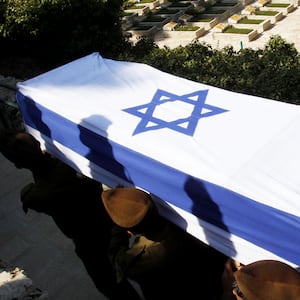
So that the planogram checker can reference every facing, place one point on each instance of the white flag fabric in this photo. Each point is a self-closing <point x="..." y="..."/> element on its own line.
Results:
<point x="225" y="166"/>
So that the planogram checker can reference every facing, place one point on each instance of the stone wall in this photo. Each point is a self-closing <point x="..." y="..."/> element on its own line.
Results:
<point x="10" y="116"/>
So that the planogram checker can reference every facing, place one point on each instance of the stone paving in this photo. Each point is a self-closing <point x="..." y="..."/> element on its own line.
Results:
<point x="32" y="243"/>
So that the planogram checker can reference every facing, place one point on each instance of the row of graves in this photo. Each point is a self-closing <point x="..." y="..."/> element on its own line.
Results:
<point x="245" y="18"/>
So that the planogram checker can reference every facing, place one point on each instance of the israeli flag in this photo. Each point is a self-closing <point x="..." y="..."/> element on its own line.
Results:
<point x="224" y="166"/>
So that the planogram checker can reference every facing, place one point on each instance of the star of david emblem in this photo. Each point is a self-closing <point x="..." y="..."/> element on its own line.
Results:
<point x="167" y="110"/>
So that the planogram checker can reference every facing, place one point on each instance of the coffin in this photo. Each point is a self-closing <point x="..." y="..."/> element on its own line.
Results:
<point x="224" y="166"/>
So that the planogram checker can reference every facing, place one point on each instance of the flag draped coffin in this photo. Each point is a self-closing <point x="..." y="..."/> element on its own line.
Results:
<point x="225" y="166"/>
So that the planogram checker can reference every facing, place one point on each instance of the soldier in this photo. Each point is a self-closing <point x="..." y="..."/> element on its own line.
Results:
<point x="267" y="279"/>
<point x="166" y="261"/>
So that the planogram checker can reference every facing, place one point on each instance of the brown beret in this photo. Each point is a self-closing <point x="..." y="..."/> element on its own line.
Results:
<point x="268" y="280"/>
<point x="126" y="206"/>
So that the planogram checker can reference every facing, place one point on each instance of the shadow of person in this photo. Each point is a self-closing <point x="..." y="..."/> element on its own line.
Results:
<point x="101" y="160"/>
<point x="33" y="117"/>
<point x="207" y="210"/>
<point x="36" y="123"/>
<point x="209" y="214"/>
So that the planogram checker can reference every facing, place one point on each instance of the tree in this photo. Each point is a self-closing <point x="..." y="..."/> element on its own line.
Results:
<point x="61" y="29"/>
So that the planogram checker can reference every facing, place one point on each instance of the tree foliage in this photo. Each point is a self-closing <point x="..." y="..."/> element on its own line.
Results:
<point x="61" y="28"/>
